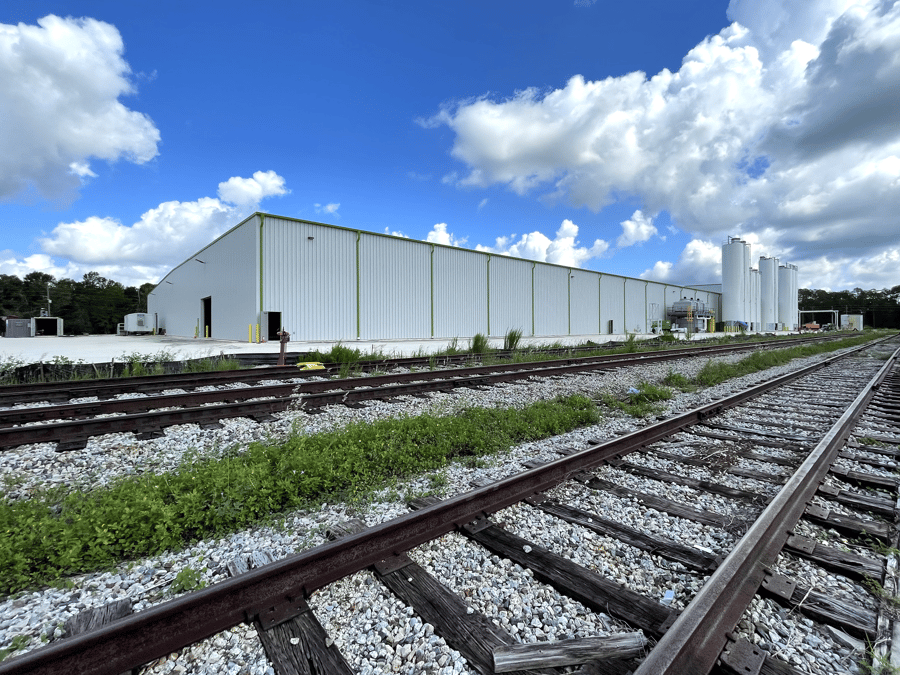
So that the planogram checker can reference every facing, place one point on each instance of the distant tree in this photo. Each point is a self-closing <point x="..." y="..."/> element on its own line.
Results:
<point x="12" y="295"/>
<point x="35" y="288"/>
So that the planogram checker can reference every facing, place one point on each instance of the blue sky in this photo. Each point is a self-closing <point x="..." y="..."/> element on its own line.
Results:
<point x="624" y="137"/>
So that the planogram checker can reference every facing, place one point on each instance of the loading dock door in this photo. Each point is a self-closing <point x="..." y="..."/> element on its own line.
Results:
<point x="206" y="317"/>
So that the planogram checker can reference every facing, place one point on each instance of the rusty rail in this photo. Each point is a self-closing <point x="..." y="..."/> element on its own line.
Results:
<point x="277" y="591"/>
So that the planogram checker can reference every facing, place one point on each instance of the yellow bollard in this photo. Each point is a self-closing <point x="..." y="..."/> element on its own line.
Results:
<point x="250" y="332"/>
<point x="257" y="333"/>
<point x="206" y="330"/>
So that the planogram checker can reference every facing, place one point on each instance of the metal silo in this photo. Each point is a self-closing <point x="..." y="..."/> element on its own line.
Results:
<point x="768" y="292"/>
<point x="733" y="280"/>
<point x="754" y="316"/>
<point x="787" y="296"/>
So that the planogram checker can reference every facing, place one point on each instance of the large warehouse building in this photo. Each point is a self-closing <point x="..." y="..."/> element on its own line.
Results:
<point x="328" y="283"/>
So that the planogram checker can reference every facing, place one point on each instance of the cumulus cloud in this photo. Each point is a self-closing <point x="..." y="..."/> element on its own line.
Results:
<point x="637" y="229"/>
<point x="328" y="209"/>
<point x="787" y="120"/>
<point x="439" y="235"/>
<point x="165" y="235"/>
<point x="562" y="250"/>
<point x="699" y="263"/>
<point x="60" y="84"/>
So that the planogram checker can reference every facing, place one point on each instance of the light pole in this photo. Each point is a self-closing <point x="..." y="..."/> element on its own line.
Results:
<point x="49" y="284"/>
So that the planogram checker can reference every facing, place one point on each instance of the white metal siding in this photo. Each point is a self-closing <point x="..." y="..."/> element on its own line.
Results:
<point x="395" y="288"/>
<point x="510" y="295"/>
<point x="460" y="293"/>
<point x="331" y="283"/>
<point x="636" y="306"/>
<point x="551" y="300"/>
<point x="612" y="304"/>
<point x="312" y="282"/>
<point x="228" y="275"/>
<point x="585" y="303"/>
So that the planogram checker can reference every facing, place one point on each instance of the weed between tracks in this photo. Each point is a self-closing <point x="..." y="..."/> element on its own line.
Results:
<point x="60" y="533"/>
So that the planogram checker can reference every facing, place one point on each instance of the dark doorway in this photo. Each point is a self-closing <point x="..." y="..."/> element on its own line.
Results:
<point x="46" y="326"/>
<point x="274" y="325"/>
<point x="206" y="318"/>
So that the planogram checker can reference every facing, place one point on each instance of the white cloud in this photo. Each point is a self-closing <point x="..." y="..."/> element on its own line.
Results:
<point x="164" y="236"/>
<point x="482" y="203"/>
<point x="699" y="263"/>
<point x="637" y="229"/>
<point x="439" y="235"/>
<point x="769" y="125"/>
<point x="60" y="84"/>
<point x="562" y="250"/>
<point x="329" y="209"/>
<point x="247" y="192"/>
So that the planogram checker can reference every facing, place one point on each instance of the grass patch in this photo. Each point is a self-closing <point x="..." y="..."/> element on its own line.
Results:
<point x="479" y="344"/>
<point x="640" y="401"/>
<point x="57" y="533"/>
<point x="338" y="354"/>
<point x="512" y="339"/>
<point x="716" y="372"/>
<point x="679" y="381"/>
<point x="211" y="364"/>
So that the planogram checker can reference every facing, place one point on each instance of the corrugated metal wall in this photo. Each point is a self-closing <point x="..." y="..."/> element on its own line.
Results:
<point x="331" y="283"/>
<point x="309" y="275"/>
<point x="585" y="302"/>
<point x="460" y="292"/>
<point x="551" y="300"/>
<point x="511" y="306"/>
<point x="228" y="275"/>
<point x="636" y="306"/>
<point x="394" y="288"/>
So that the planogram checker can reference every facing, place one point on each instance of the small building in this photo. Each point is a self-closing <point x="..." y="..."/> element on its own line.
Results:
<point x="322" y="282"/>
<point x="36" y="326"/>
<point x="851" y="321"/>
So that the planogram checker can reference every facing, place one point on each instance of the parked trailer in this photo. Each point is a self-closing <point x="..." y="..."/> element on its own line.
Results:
<point x="139" y="323"/>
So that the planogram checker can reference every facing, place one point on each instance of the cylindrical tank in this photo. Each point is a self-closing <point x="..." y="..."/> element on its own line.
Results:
<point x="753" y="317"/>
<point x="795" y="296"/>
<point x="733" y="287"/>
<point x="787" y="296"/>
<point x="768" y="282"/>
<point x="748" y="291"/>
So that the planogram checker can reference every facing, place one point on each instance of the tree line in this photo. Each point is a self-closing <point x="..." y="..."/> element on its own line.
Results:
<point x="880" y="309"/>
<point x="94" y="305"/>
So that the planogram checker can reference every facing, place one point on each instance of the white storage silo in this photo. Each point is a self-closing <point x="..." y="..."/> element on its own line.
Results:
<point x="795" y="299"/>
<point x="768" y="292"/>
<point x="734" y="259"/>
<point x="754" y="316"/>
<point x="748" y="291"/>
<point x="787" y="296"/>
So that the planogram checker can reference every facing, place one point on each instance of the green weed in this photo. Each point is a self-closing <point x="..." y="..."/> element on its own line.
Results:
<point x="479" y="344"/>
<point x="641" y="402"/>
<point x="17" y="643"/>
<point x="679" y="381"/>
<point x="188" y="579"/>
<point x="60" y="533"/>
<point x="512" y="339"/>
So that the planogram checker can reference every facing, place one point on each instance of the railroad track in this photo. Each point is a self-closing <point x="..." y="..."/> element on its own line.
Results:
<point x="738" y="511"/>
<point x="71" y="425"/>
<point x="103" y="388"/>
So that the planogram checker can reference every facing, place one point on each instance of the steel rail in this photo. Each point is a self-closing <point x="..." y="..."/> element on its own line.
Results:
<point x="140" y="416"/>
<point x="696" y="639"/>
<point x="107" y="387"/>
<point x="277" y="591"/>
